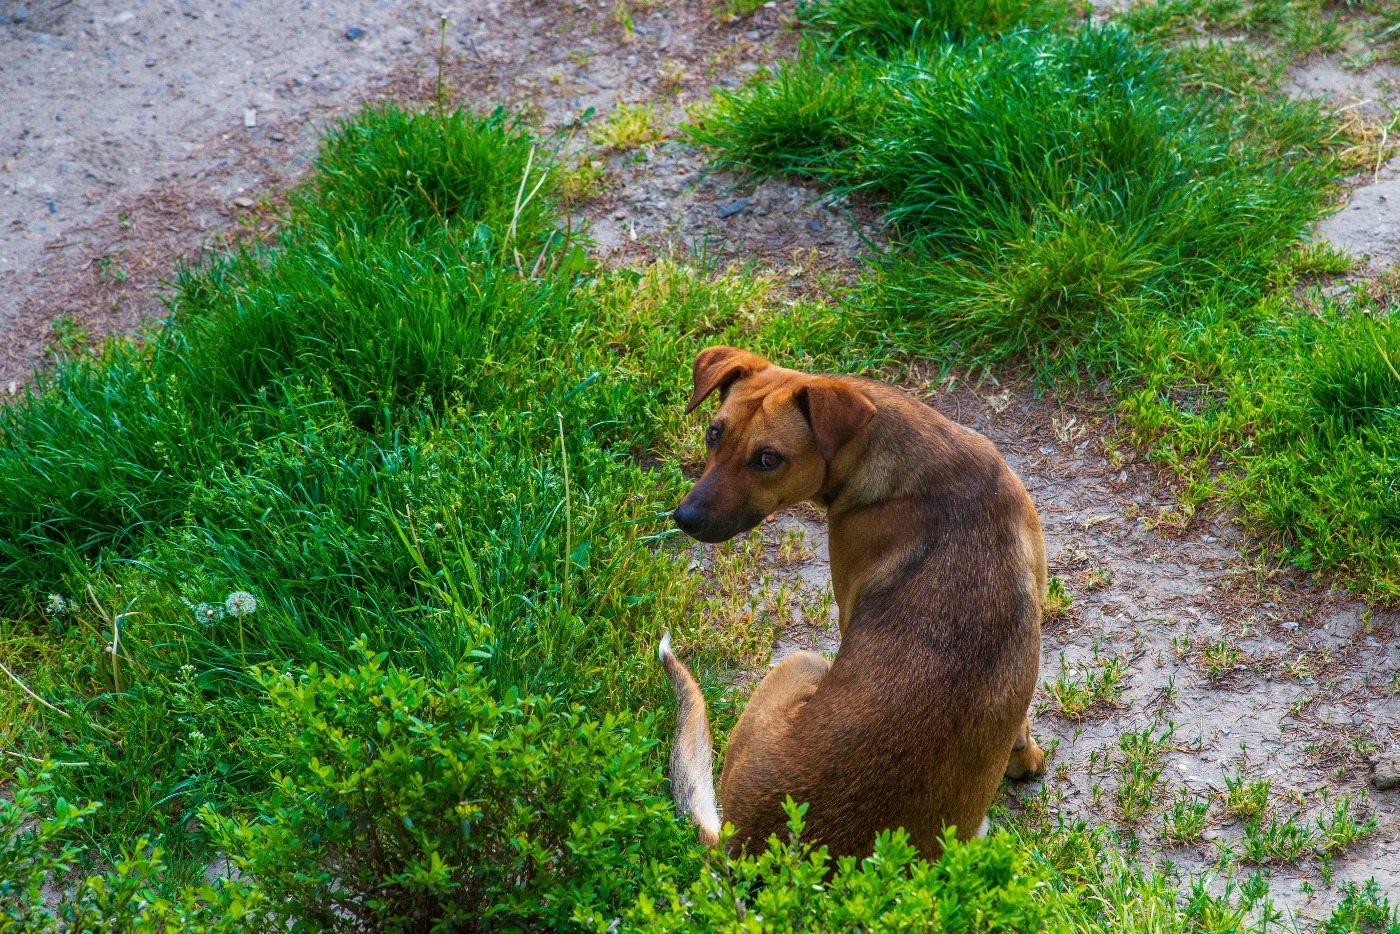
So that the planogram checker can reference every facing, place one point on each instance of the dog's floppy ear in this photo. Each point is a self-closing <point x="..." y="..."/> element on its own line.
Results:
<point x="836" y="413"/>
<point x="717" y="367"/>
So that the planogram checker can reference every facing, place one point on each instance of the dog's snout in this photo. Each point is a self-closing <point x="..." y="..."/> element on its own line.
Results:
<point x="688" y="518"/>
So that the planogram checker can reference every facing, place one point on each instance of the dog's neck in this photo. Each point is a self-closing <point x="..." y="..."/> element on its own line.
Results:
<point x="909" y="454"/>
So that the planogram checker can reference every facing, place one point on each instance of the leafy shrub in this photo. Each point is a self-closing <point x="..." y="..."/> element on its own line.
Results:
<point x="982" y="885"/>
<point x="403" y="803"/>
<point x="38" y="893"/>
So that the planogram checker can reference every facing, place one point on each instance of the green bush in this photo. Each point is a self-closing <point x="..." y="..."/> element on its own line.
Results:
<point x="982" y="885"/>
<point x="39" y="893"/>
<point x="402" y="803"/>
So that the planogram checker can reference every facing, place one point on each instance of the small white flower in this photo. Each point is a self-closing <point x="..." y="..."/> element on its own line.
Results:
<point x="209" y="613"/>
<point x="57" y="605"/>
<point x="241" y="603"/>
<point x="196" y="735"/>
<point x="111" y="649"/>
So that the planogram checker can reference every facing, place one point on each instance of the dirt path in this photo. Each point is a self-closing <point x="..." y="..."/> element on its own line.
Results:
<point x="135" y="132"/>
<point x="1256" y="674"/>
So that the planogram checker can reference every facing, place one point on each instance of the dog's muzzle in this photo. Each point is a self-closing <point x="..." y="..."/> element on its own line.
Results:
<point x="700" y="525"/>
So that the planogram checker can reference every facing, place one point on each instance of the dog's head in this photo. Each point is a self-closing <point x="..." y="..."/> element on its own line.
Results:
<point x="769" y="444"/>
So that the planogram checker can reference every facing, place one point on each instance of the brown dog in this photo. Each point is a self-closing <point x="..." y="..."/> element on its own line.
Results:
<point x="938" y="567"/>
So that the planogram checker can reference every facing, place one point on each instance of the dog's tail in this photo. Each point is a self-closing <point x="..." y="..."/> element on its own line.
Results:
<point x="692" y="756"/>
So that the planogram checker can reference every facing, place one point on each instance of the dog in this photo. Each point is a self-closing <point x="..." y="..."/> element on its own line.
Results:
<point x="938" y="568"/>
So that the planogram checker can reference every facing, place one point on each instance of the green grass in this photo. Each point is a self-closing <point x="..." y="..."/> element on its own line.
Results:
<point x="884" y="26"/>
<point x="1053" y="194"/>
<point x="1095" y="205"/>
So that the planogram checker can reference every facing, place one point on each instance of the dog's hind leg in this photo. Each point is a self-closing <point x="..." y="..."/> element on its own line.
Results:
<point x="1027" y="759"/>
<point x="756" y="743"/>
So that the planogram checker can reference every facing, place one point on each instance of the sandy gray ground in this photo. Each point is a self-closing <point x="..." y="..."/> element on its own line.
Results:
<point x="149" y="161"/>
<point x="1368" y="225"/>
<point x="109" y="104"/>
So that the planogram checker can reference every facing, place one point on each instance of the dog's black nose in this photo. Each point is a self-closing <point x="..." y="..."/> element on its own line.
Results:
<point x="688" y="518"/>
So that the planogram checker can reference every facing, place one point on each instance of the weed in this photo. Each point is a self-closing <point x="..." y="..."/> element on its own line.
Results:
<point x="69" y="336"/>
<point x="1139" y="770"/>
<point x="730" y="10"/>
<point x="1091" y="689"/>
<point x="793" y="548"/>
<point x="1096" y="579"/>
<point x="1057" y="600"/>
<point x="1244" y="798"/>
<point x="1219" y="658"/>
<point x="1341" y="826"/>
<point x="622" y="15"/>
<point x="628" y="127"/>
<point x="1277" y="842"/>
<point x="1363" y="909"/>
<point x="109" y="270"/>
<point x="1185" y="819"/>
<point x="584" y="181"/>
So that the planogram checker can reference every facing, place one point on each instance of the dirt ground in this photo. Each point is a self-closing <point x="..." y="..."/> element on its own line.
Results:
<point x="138" y="132"/>
<point x="128" y="147"/>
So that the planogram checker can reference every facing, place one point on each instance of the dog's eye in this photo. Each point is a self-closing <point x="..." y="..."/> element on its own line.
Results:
<point x="768" y="460"/>
<point x="712" y="436"/>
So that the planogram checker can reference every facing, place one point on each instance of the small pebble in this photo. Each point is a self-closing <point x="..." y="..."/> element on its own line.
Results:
<point x="354" y="33"/>
<point x="733" y="207"/>
<point x="250" y="117"/>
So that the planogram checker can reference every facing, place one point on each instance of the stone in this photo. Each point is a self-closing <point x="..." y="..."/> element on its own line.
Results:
<point x="733" y="207"/>
<point x="1385" y="771"/>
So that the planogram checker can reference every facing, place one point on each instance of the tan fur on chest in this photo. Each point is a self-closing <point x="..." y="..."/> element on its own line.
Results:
<point x="938" y="567"/>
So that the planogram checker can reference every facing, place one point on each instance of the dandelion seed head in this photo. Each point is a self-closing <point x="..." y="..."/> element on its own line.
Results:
<point x="207" y="614"/>
<point x="241" y="603"/>
<point x="57" y="605"/>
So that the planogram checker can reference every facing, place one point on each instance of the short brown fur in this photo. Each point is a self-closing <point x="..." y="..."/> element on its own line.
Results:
<point x="938" y="568"/>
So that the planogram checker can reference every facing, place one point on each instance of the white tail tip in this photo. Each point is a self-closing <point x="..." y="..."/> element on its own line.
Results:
<point x="664" y="648"/>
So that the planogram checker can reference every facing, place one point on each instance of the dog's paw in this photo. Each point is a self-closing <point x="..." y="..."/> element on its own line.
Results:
<point x="1026" y="763"/>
